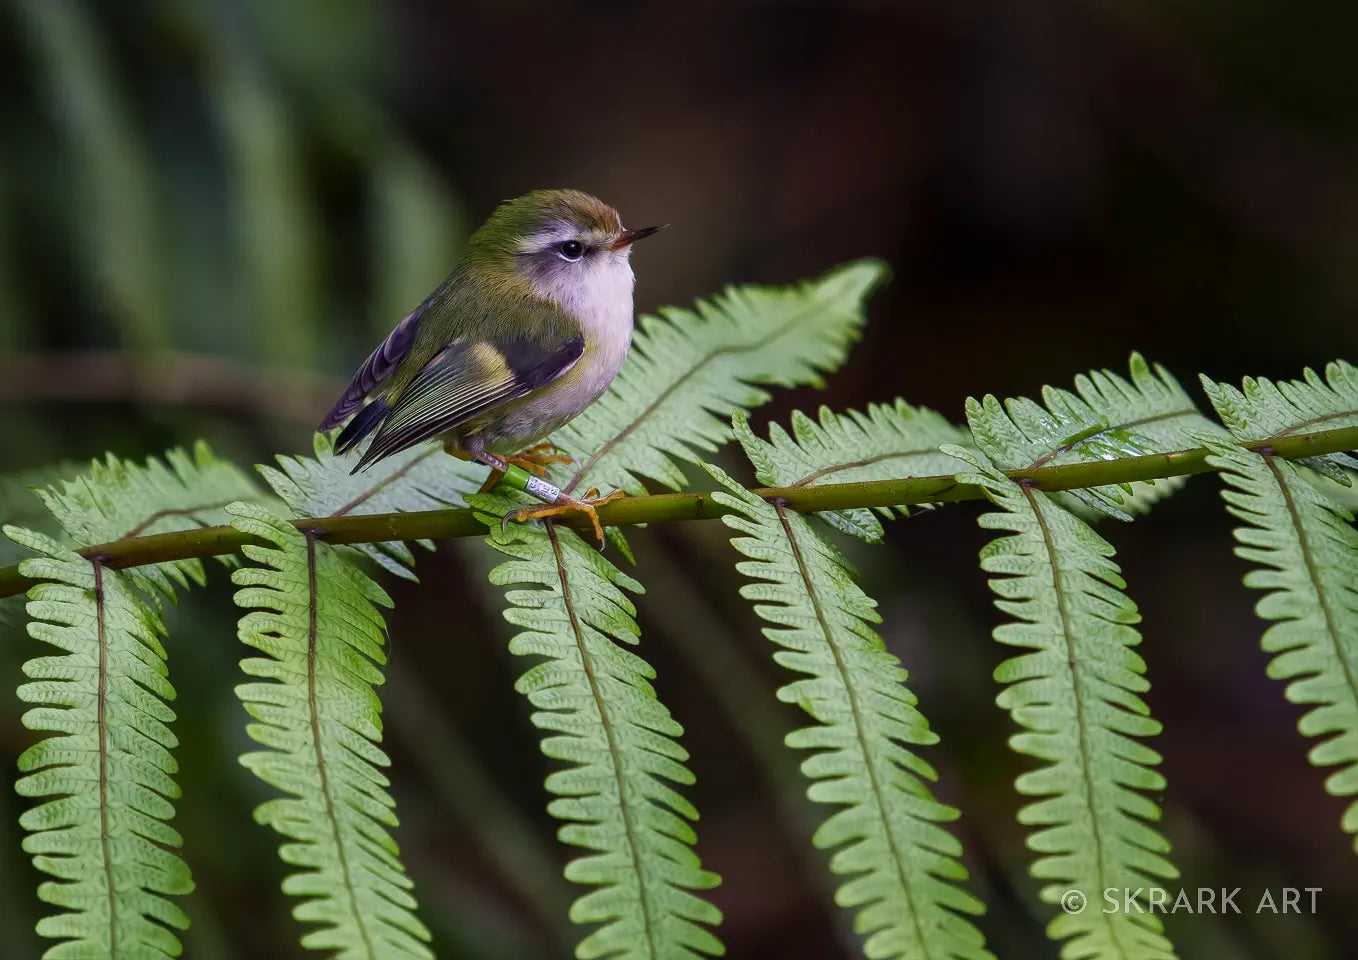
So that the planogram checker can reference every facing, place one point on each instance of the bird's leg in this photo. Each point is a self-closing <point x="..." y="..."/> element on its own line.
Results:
<point x="515" y="473"/>
<point x="534" y="460"/>
<point x="472" y="449"/>
<point x="554" y="502"/>
<point x="492" y="479"/>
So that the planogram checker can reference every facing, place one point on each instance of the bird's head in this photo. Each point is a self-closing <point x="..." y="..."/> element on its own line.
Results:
<point x="567" y="246"/>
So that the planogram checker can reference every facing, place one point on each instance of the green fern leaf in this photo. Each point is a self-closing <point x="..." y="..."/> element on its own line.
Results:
<point x="1305" y="550"/>
<point x="1266" y="410"/>
<point x="108" y="768"/>
<point x="1077" y="697"/>
<point x="314" y="616"/>
<point x="887" y="442"/>
<point x="594" y="700"/>
<point x="903" y="865"/>
<point x="420" y="479"/>
<point x="116" y="498"/>
<point x="20" y="506"/>
<point x="688" y="369"/>
<point x="1107" y="416"/>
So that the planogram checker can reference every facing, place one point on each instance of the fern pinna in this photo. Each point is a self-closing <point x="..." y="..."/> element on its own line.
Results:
<point x="107" y="772"/>
<point x="121" y="538"/>
<point x="903" y="866"/>
<point x="314" y="617"/>
<point x="1077" y="692"/>
<point x="105" y="836"/>
<point x="1303" y="544"/>
<point x="593" y="699"/>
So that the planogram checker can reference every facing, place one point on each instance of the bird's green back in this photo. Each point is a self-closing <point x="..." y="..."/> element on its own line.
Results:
<point x="480" y="301"/>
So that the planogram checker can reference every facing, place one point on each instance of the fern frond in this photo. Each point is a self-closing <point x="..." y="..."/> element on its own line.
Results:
<point x="903" y="866"/>
<point x="1076" y="695"/>
<point x="1266" y="410"/>
<point x="314" y="616"/>
<point x="423" y="478"/>
<point x="108" y="768"/>
<point x="887" y="442"/>
<point x="688" y="369"/>
<point x="1304" y="549"/>
<point x="116" y="498"/>
<point x="1107" y="416"/>
<point x="594" y="700"/>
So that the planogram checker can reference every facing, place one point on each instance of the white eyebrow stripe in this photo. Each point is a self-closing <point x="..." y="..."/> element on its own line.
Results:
<point x="549" y="235"/>
<point x="558" y="230"/>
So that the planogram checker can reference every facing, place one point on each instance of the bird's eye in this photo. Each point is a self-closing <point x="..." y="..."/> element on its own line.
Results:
<point x="571" y="250"/>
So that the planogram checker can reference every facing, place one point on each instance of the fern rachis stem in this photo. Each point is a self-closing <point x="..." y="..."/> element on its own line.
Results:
<point x="1078" y="695"/>
<point x="321" y="770"/>
<point x="101" y="627"/>
<point x="663" y="508"/>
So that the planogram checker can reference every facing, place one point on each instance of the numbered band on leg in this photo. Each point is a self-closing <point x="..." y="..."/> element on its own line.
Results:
<point x="543" y="490"/>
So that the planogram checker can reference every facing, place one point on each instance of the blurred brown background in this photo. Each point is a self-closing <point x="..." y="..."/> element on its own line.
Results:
<point x="209" y="210"/>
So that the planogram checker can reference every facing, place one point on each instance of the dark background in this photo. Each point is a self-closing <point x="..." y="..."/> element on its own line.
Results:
<point x="210" y="210"/>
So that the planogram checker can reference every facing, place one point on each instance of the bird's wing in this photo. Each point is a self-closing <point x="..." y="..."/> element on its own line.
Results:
<point x="379" y="365"/>
<point x="467" y="378"/>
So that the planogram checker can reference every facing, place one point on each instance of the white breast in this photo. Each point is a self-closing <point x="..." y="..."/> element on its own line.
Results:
<point x="600" y="299"/>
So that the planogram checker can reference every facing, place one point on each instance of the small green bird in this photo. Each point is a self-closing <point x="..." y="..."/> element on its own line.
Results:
<point x="529" y="328"/>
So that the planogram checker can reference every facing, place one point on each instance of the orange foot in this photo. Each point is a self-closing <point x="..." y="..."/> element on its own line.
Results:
<point x="589" y="506"/>
<point x="535" y="459"/>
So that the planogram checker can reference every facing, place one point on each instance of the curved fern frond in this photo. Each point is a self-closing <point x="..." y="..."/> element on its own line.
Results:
<point x="1305" y="551"/>
<point x="1265" y="410"/>
<point x="903" y="866"/>
<point x="594" y="701"/>
<point x="1076" y="695"/>
<point x="887" y="442"/>
<point x="688" y="369"/>
<point x="423" y="478"/>
<point x="116" y="498"/>
<point x="1107" y="416"/>
<point x="314" y="616"/>
<point x="108" y="769"/>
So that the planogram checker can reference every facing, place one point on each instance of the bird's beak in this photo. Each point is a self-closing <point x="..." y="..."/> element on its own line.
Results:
<point x="629" y="237"/>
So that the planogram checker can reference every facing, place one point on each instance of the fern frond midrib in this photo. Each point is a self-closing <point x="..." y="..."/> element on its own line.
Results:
<point x="1075" y="441"/>
<point x="608" y="445"/>
<point x="855" y="709"/>
<point x="177" y="512"/>
<point x="1073" y="661"/>
<point x="615" y="754"/>
<point x="1312" y="422"/>
<point x="382" y="484"/>
<point x="102" y="634"/>
<point x="321" y="768"/>
<point x="1322" y="595"/>
<point x="865" y="462"/>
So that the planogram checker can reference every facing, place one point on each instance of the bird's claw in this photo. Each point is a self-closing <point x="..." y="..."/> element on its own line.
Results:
<point x="588" y="506"/>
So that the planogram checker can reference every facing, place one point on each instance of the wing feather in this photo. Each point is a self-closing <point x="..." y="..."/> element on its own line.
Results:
<point x="379" y="365"/>
<point x="467" y="378"/>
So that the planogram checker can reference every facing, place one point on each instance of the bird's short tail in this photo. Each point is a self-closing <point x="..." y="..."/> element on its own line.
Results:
<point x="364" y="423"/>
